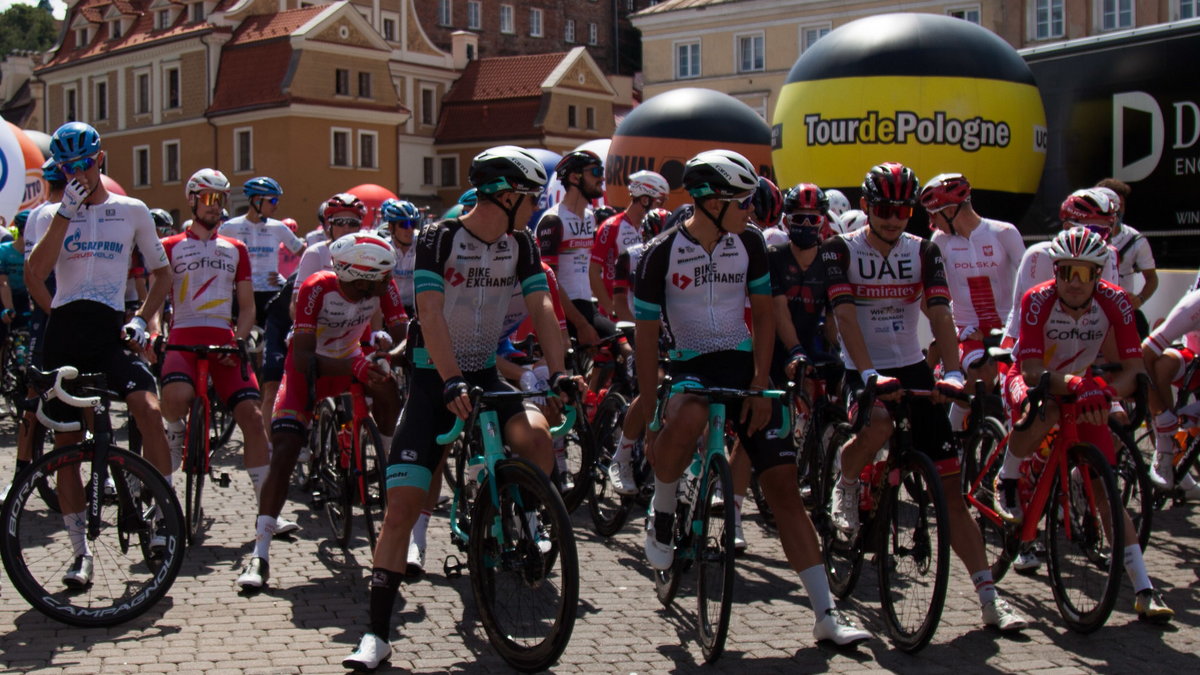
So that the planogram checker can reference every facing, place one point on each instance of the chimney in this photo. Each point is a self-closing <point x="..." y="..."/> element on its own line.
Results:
<point x="464" y="47"/>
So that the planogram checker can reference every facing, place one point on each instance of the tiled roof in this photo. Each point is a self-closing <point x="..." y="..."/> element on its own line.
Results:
<point x="243" y="72"/>
<point x="267" y="26"/>
<point x="675" y="5"/>
<point x="464" y="122"/>
<point x="503" y="77"/>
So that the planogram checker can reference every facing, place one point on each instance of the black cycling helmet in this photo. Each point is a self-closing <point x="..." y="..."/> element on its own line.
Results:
<point x="575" y="162"/>
<point x="162" y="220"/>
<point x="891" y="182"/>
<point x="768" y="202"/>
<point x="805" y="196"/>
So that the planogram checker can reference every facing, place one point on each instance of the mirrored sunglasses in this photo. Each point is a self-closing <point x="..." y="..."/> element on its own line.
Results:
<point x="77" y="165"/>
<point x="891" y="210"/>
<point x="1082" y="272"/>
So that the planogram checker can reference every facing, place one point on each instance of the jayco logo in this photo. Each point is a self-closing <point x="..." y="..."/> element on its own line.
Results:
<point x="905" y="126"/>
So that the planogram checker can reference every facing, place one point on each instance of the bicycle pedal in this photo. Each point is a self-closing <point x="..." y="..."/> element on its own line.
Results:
<point x="452" y="567"/>
<point x="318" y="500"/>
<point x="223" y="480"/>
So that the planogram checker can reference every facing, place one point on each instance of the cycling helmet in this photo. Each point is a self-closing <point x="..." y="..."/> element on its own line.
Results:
<point x="768" y="202"/>
<point x="945" y="189"/>
<point x="262" y="186"/>
<point x="807" y="197"/>
<point x="575" y="162"/>
<point x="292" y="225"/>
<point x="74" y="140"/>
<point x="1112" y="196"/>
<point x="838" y="204"/>
<point x="1079" y="243"/>
<point x="719" y="173"/>
<point x="162" y="220"/>
<point x="342" y="204"/>
<point x="400" y="211"/>
<point x="647" y="184"/>
<point x="1089" y="204"/>
<point x="603" y="213"/>
<point x="362" y="255"/>
<point x="51" y="173"/>
<point x="653" y="222"/>
<point x="849" y="221"/>
<point x="19" y="221"/>
<point x="891" y="182"/>
<point x="506" y="167"/>
<point x="207" y="179"/>
<point x="469" y="198"/>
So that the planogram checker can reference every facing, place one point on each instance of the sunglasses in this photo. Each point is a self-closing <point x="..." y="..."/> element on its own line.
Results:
<point x="596" y="171"/>
<point x="76" y="166"/>
<point x="345" y="222"/>
<point x="802" y="219"/>
<point x="743" y="202"/>
<point x="402" y="224"/>
<point x="891" y="210"/>
<point x="1081" y="272"/>
<point x="271" y="200"/>
<point x="210" y="198"/>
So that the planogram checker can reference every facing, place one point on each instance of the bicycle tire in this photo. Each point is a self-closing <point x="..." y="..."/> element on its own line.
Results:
<point x="332" y="480"/>
<point x="843" y="556"/>
<point x="41" y="438"/>
<point x="608" y="510"/>
<point x="221" y="421"/>
<point x="1134" y="486"/>
<point x="910" y="507"/>
<point x="374" y="469"/>
<point x="510" y="573"/>
<point x="579" y="445"/>
<point x="194" y="470"/>
<point x="126" y="582"/>
<point x="1000" y="543"/>
<point x="714" y="555"/>
<point x="1088" y="554"/>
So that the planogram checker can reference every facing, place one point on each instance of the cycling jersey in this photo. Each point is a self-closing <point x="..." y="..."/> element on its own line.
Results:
<point x="518" y="310"/>
<point x="337" y="321"/>
<point x="1069" y="345"/>
<point x="476" y="279"/>
<point x="1036" y="267"/>
<point x="37" y="223"/>
<point x="206" y="275"/>
<point x="262" y="240"/>
<point x="626" y="270"/>
<point x="12" y="265"/>
<point x="565" y="240"/>
<point x="807" y="301"/>
<point x="1133" y="255"/>
<point x="95" y="258"/>
<point x="406" y="260"/>
<point x="613" y="237"/>
<point x="886" y="291"/>
<point x="700" y="295"/>
<point x="315" y="259"/>
<point x="287" y="262"/>
<point x="1183" y="319"/>
<point x="775" y="236"/>
<point x="315" y="236"/>
<point x="980" y="270"/>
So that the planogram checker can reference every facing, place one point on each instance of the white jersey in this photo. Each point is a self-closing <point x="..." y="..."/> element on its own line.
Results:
<point x="1183" y="319"/>
<point x="775" y="236"/>
<point x="1133" y="255"/>
<point x="406" y="260"/>
<point x="316" y="258"/>
<point x="315" y="237"/>
<point x="980" y="270"/>
<point x="93" y="263"/>
<point x="262" y="240"/>
<point x="566" y="241"/>
<point x="1036" y="267"/>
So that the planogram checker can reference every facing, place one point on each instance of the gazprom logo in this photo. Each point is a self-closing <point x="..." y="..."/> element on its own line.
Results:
<point x="1140" y="129"/>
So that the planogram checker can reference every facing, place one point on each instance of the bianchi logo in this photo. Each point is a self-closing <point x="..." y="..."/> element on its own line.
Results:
<point x="905" y="126"/>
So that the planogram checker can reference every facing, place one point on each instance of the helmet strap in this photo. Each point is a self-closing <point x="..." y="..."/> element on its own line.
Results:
<point x="716" y="220"/>
<point x="950" y="218"/>
<point x="511" y="213"/>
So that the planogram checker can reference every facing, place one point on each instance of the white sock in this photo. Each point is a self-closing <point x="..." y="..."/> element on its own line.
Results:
<point x="624" y="453"/>
<point x="258" y="476"/>
<point x="1135" y="567"/>
<point x="560" y="455"/>
<point x="984" y="586"/>
<point x="176" y="427"/>
<point x="958" y="416"/>
<point x="737" y="511"/>
<point x="664" y="495"/>
<point x="1165" y="424"/>
<point x="816" y="585"/>
<point x="77" y="532"/>
<point x="1011" y="468"/>
<point x="421" y="527"/>
<point x="264" y="529"/>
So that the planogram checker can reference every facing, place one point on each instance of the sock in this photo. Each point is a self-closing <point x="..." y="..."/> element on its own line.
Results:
<point x="816" y="585"/>
<point x="1165" y="424"/>
<point x="737" y="511"/>
<point x="1011" y="468"/>
<point x="560" y="455"/>
<point x="1135" y="567"/>
<point x="738" y="500"/>
<point x="385" y="586"/>
<point x="624" y="452"/>
<point x="420" y="528"/>
<point x="958" y="416"/>
<point x="984" y="586"/>
<point x="179" y="429"/>
<point x="77" y="532"/>
<point x="258" y="476"/>
<point x="664" y="495"/>
<point x="264" y="529"/>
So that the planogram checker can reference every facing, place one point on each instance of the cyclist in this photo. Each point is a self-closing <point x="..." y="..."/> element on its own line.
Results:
<point x="880" y="279"/>
<point x="1134" y="256"/>
<point x="647" y="190"/>
<point x="164" y="224"/>
<point x="210" y="272"/>
<point x="850" y="221"/>
<point x="333" y="310"/>
<point x="768" y="209"/>
<point x="464" y="276"/>
<point x="695" y="279"/>
<point x="13" y="295"/>
<point x="262" y="236"/>
<point x="402" y="219"/>
<point x="1168" y="366"/>
<point x="981" y="256"/>
<point x="341" y="214"/>
<point x="838" y="203"/>
<point x="1065" y="324"/>
<point x="88" y="245"/>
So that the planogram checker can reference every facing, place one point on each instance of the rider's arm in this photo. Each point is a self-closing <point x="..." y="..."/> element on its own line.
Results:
<point x="784" y="329"/>
<point x="649" y="296"/>
<point x="6" y="296"/>
<point x="436" y="333"/>
<point x="1125" y="381"/>
<point x="246" y="316"/>
<point x="937" y="305"/>
<point x="598" y="290"/>
<point x="1149" y="286"/>
<point x="763" y="321"/>
<point x="941" y="321"/>
<point x="1021" y="283"/>
<point x="160" y="285"/>
<point x="45" y="252"/>
<point x="836" y="257"/>
<point x="536" y="288"/>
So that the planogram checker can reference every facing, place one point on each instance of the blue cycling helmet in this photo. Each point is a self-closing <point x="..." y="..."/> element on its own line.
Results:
<point x="74" y="140"/>
<point x="262" y="186"/>
<point x="400" y="211"/>
<point x="51" y="173"/>
<point x="469" y="198"/>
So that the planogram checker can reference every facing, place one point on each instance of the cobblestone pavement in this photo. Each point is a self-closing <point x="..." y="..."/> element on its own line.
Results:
<point x="314" y="611"/>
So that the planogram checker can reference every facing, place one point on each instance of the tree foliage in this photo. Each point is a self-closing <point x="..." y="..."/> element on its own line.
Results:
<point x="26" y="27"/>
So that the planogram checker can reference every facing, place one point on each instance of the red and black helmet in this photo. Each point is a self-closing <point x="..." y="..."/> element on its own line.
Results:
<point x="891" y="182"/>
<point x="1087" y="206"/>
<point x="945" y="189"/>
<point x="807" y="197"/>
<point x="653" y="221"/>
<point x="768" y="202"/>
<point x="575" y="162"/>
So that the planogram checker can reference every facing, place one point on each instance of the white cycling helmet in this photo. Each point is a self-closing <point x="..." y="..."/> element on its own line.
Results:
<point x="207" y="179"/>
<point x="850" y="221"/>
<point x="719" y="173"/>
<point x="362" y="255"/>
<point x="838" y="204"/>
<point x="647" y="184"/>
<point x="1079" y="243"/>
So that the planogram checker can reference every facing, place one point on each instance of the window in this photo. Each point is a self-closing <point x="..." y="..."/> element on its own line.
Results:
<point x="750" y="53"/>
<point x="70" y="104"/>
<point x="569" y="30"/>
<point x="341" y="82"/>
<point x="970" y="14"/>
<point x="1048" y="19"/>
<point x="591" y="117"/>
<point x="389" y="29"/>
<point x="142" y="105"/>
<point x="449" y="171"/>
<point x="1189" y="9"/>
<point x="427" y="171"/>
<point x="114" y="29"/>
<point x="1116" y="14"/>
<point x="339" y="147"/>
<point x="171" y="84"/>
<point x="368" y="141"/>
<point x="243" y="150"/>
<point x="101" y="101"/>
<point x="810" y="34"/>
<point x="473" y="14"/>
<point x="593" y="34"/>
<point x="81" y="37"/>
<point x="535" y="23"/>
<point x="572" y="117"/>
<point x="141" y="166"/>
<point x="162" y="19"/>
<point x="443" y="17"/>
<point x="687" y="60"/>
<point x="428" y="109"/>
<point x="364" y="85"/>
<point x="171" y="161"/>
<point x="506" y="19"/>
<point x="197" y="11"/>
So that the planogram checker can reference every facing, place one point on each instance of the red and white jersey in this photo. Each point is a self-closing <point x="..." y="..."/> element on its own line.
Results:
<point x="1037" y="267"/>
<point x="1183" y="319"/>
<point x="1069" y="345"/>
<point x="206" y="275"/>
<point x="337" y="321"/>
<point x="613" y="238"/>
<point x="980" y="269"/>
<point x="565" y="242"/>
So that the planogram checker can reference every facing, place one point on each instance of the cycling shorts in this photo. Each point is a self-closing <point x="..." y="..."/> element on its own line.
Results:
<point x="275" y="348"/>
<point x="971" y="353"/>
<point x="1186" y="356"/>
<point x="604" y="326"/>
<point x="231" y="387"/>
<point x="931" y="432"/>
<point x="1016" y="393"/>
<point x="734" y="369"/>
<point x="293" y="411"/>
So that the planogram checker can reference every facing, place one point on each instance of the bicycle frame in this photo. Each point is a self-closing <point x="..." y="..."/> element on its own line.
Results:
<point x="204" y="356"/>
<point x="351" y="458"/>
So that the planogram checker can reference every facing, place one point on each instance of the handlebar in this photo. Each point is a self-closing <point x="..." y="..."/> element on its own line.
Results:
<point x="720" y="395"/>
<point x="48" y="391"/>
<point x="204" y="351"/>
<point x="866" y="400"/>
<point x="478" y="396"/>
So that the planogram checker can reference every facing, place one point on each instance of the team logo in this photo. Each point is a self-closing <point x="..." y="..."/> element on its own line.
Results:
<point x="987" y="251"/>
<point x="681" y="281"/>
<point x="454" y="276"/>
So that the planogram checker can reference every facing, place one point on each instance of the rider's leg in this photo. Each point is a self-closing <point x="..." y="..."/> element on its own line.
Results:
<point x="176" y="401"/>
<point x="249" y="419"/>
<point x="144" y="407"/>
<point x="529" y="436"/>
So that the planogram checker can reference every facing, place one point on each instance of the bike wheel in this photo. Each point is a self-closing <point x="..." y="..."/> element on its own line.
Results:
<point x="331" y="480"/>
<point x="44" y="438"/>
<point x="194" y="471"/>
<point x="374" y="478"/>
<point x="1133" y="484"/>
<point x="1086" y="536"/>
<point x="714" y="562"/>
<point x="37" y="548"/>
<point x="580" y="449"/>
<point x="221" y="421"/>
<point x="914" y="554"/>
<point x="608" y="509"/>
<point x="524" y="570"/>
<point x="843" y="556"/>
<point x="984" y="452"/>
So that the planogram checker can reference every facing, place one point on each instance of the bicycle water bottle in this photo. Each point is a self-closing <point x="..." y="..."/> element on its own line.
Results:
<point x="691" y="481"/>
<point x="1031" y="469"/>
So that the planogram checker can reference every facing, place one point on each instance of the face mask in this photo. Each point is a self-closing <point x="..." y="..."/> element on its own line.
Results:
<point x="804" y="236"/>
